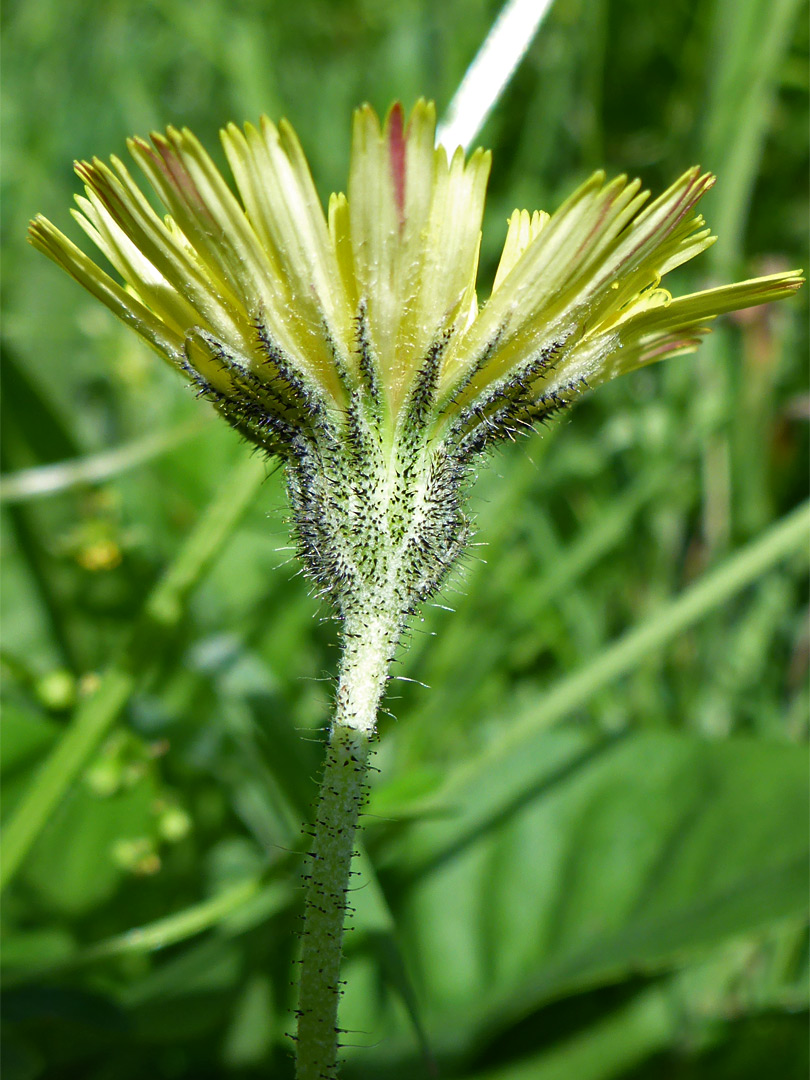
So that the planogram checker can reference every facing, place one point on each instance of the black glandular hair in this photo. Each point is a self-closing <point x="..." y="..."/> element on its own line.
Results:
<point x="508" y="406"/>
<point x="367" y="362"/>
<point x="378" y="514"/>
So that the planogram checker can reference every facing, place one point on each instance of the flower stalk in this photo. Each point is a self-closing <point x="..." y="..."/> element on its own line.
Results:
<point x="342" y="792"/>
<point x="364" y="667"/>
<point x="351" y="346"/>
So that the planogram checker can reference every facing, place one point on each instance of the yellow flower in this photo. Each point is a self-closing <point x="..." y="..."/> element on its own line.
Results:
<point x="352" y="343"/>
<point x="267" y="288"/>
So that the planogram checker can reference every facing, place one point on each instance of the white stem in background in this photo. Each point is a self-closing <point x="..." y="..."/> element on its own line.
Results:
<point x="488" y="75"/>
<point x="59" y="476"/>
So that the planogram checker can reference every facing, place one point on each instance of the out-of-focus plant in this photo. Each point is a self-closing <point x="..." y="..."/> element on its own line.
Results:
<point x="352" y="347"/>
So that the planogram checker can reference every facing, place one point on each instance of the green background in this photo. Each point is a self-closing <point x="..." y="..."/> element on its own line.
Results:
<point x="586" y="849"/>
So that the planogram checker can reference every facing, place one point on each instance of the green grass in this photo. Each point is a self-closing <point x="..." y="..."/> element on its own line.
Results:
<point x="586" y="848"/>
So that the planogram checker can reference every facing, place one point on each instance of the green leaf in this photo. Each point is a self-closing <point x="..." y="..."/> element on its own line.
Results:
<point x="377" y="937"/>
<point x="605" y="1049"/>
<point x="573" y="864"/>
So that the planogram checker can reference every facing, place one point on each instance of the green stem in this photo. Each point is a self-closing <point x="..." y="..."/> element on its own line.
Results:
<point x="367" y="652"/>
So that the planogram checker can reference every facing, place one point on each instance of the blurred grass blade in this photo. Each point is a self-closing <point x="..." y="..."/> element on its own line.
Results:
<point x="95" y="716"/>
<point x="488" y="75"/>
<point x="62" y="476"/>
<point x="175" y="928"/>
<point x="786" y="537"/>
<point x="750" y="43"/>
<point x="596" y="539"/>
<point x="222" y="911"/>
<point x="32" y="429"/>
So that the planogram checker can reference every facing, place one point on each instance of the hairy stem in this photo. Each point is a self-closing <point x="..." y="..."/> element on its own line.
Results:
<point x="368" y="644"/>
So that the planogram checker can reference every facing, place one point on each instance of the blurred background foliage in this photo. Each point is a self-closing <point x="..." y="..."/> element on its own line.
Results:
<point x="586" y="849"/>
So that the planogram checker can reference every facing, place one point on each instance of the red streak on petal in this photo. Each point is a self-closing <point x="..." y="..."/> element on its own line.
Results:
<point x="669" y="346"/>
<point x="170" y="164"/>
<point x="396" y="151"/>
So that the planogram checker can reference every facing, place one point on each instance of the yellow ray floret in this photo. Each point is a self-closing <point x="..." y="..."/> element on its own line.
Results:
<point x="263" y="289"/>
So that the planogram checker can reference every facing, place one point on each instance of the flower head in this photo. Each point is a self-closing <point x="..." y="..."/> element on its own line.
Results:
<point x="352" y="343"/>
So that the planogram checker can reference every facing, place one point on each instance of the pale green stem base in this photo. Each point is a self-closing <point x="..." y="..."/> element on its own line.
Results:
<point x="367" y="651"/>
<point x="342" y="794"/>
